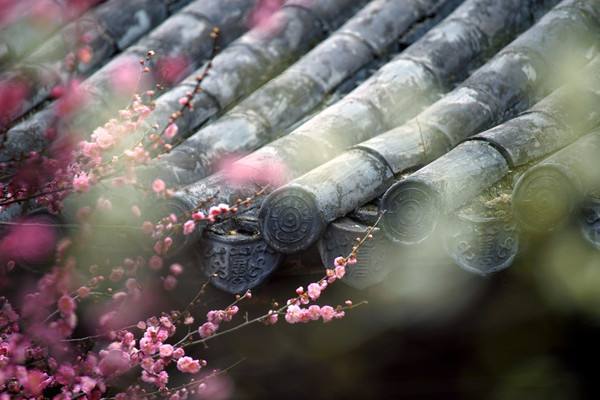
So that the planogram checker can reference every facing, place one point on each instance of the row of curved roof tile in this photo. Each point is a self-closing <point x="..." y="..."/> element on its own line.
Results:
<point x="476" y="133"/>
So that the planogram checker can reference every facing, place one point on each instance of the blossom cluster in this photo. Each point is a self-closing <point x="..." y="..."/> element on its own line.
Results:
<point x="29" y="363"/>
<point x="152" y="354"/>
<point x="295" y="313"/>
<point x="211" y="216"/>
<point x="28" y="368"/>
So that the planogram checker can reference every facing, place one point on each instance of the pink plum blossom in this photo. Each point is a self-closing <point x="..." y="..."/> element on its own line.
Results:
<point x="327" y="313"/>
<point x="178" y="353"/>
<point x="189" y="227"/>
<point x="314" y="312"/>
<point x="314" y="291"/>
<point x="340" y="261"/>
<point x="340" y="271"/>
<point x="198" y="216"/>
<point x="103" y="138"/>
<point x="207" y="329"/>
<point x="81" y="182"/>
<point x="215" y="316"/>
<point x="158" y="186"/>
<point x="176" y="269"/>
<point x="293" y="314"/>
<point x="272" y="318"/>
<point x="165" y="350"/>
<point x="188" y="365"/>
<point x="66" y="304"/>
<point x="171" y="131"/>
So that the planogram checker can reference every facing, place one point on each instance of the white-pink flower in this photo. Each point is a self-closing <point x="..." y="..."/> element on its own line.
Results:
<point x="231" y="311"/>
<point x="339" y="261"/>
<point x="314" y="312"/>
<point x="207" y="329"/>
<point x="198" y="216"/>
<point x="158" y="186"/>
<point x="81" y="182"/>
<point x="188" y="365"/>
<point x="165" y="350"/>
<point x="272" y="318"/>
<point x="293" y="314"/>
<point x="327" y="313"/>
<point x="66" y="304"/>
<point x="215" y="316"/>
<point x="178" y="353"/>
<point x="89" y="149"/>
<point x="340" y="271"/>
<point x="189" y="227"/>
<point x="162" y="379"/>
<point x="176" y="269"/>
<point x="138" y="154"/>
<point x="103" y="138"/>
<point x="314" y="291"/>
<point x="148" y="346"/>
<point x="86" y="384"/>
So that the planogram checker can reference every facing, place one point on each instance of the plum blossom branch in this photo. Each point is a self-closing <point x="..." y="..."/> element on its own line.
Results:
<point x="197" y="383"/>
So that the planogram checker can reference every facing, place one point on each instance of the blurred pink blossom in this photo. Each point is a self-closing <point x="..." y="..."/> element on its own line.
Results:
<point x="155" y="263"/>
<point x="219" y="387"/>
<point x="171" y="131"/>
<point x="12" y="95"/>
<point x="73" y="99"/>
<point x="81" y="182"/>
<point x="189" y="227"/>
<point x="257" y="171"/>
<point x="66" y="305"/>
<point x="31" y="241"/>
<point x="170" y="282"/>
<point x="125" y="76"/>
<point x="158" y="186"/>
<point x="170" y="70"/>
<point x="260" y="16"/>
<point x="103" y="138"/>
